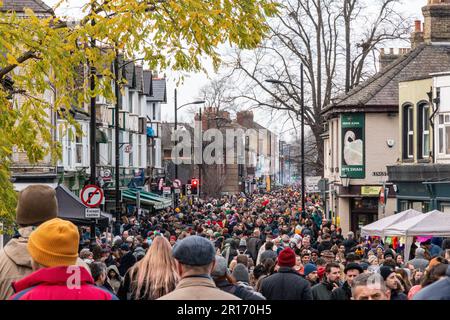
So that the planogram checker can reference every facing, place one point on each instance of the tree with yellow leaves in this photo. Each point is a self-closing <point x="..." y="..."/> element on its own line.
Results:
<point x="45" y="54"/>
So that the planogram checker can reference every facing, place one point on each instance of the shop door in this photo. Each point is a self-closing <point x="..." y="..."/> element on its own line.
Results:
<point x="361" y="219"/>
<point x="363" y="212"/>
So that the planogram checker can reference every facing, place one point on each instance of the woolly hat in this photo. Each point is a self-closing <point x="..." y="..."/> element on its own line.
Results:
<point x="386" y="271"/>
<point x="309" y="267"/>
<point x="220" y="267"/>
<point x="54" y="243"/>
<point x="286" y="258"/>
<point x="36" y="204"/>
<point x="240" y="273"/>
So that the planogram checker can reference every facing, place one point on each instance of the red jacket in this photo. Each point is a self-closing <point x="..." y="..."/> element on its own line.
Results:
<point x="59" y="283"/>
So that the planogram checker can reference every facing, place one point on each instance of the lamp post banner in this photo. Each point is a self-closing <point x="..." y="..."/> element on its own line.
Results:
<point x="353" y="145"/>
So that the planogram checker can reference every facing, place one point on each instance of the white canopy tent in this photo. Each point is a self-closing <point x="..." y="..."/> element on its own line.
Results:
<point x="433" y="223"/>
<point x="378" y="228"/>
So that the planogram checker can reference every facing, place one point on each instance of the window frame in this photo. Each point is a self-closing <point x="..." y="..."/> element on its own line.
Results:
<point x="423" y="121"/>
<point x="443" y="125"/>
<point x="408" y="135"/>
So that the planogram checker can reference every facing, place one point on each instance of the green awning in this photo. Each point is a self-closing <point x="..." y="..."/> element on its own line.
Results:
<point x="148" y="198"/>
<point x="100" y="136"/>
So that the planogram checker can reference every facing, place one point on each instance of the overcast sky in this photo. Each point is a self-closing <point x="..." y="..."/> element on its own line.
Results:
<point x="188" y="91"/>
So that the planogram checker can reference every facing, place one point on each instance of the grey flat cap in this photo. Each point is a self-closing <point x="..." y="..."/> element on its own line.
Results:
<point x="220" y="269"/>
<point x="194" y="251"/>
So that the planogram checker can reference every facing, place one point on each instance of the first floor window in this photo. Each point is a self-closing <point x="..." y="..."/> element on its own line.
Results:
<point x="424" y="127"/>
<point x="78" y="148"/>
<point x="121" y="144"/>
<point x="131" y="150"/>
<point x="140" y="151"/>
<point x="444" y="134"/>
<point x="410" y="138"/>
<point x="110" y="146"/>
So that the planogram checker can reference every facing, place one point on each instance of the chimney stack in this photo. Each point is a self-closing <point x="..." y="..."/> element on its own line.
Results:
<point x="417" y="35"/>
<point x="387" y="57"/>
<point x="437" y="21"/>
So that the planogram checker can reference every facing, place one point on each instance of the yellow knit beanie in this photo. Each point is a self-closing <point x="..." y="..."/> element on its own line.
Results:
<point x="54" y="243"/>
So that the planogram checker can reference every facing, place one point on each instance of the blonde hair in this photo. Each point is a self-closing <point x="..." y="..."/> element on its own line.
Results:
<point x="156" y="274"/>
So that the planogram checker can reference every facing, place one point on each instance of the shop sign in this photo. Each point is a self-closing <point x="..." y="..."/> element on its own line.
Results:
<point x="353" y="145"/>
<point x="370" y="190"/>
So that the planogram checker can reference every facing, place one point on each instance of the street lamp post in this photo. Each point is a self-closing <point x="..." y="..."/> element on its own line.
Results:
<point x="302" y="114"/>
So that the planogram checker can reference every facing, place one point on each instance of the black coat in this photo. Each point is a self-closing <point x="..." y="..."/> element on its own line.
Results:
<point x="349" y="244"/>
<point x="126" y="262"/>
<point x="286" y="284"/>
<point x="253" y="246"/>
<point x="342" y="293"/>
<point x="238" y="291"/>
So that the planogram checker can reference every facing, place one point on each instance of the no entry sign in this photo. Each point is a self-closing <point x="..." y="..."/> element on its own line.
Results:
<point x="92" y="196"/>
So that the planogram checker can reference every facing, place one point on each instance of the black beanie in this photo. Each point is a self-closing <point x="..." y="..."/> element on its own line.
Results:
<point x="386" y="271"/>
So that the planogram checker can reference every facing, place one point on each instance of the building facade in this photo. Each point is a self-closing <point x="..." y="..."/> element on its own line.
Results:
<point x="362" y="127"/>
<point x="422" y="174"/>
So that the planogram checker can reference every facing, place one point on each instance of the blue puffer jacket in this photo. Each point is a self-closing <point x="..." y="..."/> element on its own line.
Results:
<point x="440" y="290"/>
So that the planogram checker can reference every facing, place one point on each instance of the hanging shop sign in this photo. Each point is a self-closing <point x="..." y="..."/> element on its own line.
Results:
<point x="353" y="145"/>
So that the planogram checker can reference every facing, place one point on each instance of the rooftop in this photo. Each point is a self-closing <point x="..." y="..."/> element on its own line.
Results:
<point x="38" y="6"/>
<point x="155" y="88"/>
<point x="380" y="92"/>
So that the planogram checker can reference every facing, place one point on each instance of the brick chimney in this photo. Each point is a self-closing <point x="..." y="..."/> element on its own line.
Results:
<point x="387" y="57"/>
<point x="245" y="118"/>
<point x="417" y="35"/>
<point x="437" y="21"/>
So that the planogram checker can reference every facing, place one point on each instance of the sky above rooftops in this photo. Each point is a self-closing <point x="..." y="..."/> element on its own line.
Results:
<point x="189" y="90"/>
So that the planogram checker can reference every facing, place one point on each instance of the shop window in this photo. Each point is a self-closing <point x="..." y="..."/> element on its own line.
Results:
<point x="445" y="207"/>
<point x="365" y="204"/>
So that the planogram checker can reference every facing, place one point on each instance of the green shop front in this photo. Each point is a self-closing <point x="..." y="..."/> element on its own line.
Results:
<point x="418" y="187"/>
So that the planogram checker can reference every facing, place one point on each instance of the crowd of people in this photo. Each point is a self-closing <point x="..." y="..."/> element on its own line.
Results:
<point x="251" y="247"/>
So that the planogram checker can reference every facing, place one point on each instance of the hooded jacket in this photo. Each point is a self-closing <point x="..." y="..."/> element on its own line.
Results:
<point x="15" y="262"/>
<point x="114" y="282"/>
<point x="59" y="283"/>
<point x="419" y="262"/>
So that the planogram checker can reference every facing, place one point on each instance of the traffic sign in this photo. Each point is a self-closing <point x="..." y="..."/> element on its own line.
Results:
<point x="177" y="190"/>
<point x="188" y="189"/>
<point x="167" y="190"/>
<point x="106" y="174"/>
<point x="93" y="213"/>
<point x="92" y="196"/>
<point x="176" y="183"/>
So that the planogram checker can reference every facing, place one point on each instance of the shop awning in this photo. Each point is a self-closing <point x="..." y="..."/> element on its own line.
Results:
<point x="148" y="198"/>
<point x="71" y="208"/>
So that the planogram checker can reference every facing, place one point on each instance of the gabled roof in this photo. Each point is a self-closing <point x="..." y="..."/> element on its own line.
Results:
<point x="139" y="79"/>
<point x="381" y="91"/>
<point x="130" y="74"/>
<point x="159" y="89"/>
<point x="148" y="82"/>
<point x="38" y="6"/>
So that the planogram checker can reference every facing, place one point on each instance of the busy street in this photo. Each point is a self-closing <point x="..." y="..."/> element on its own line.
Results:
<point x="257" y="153"/>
